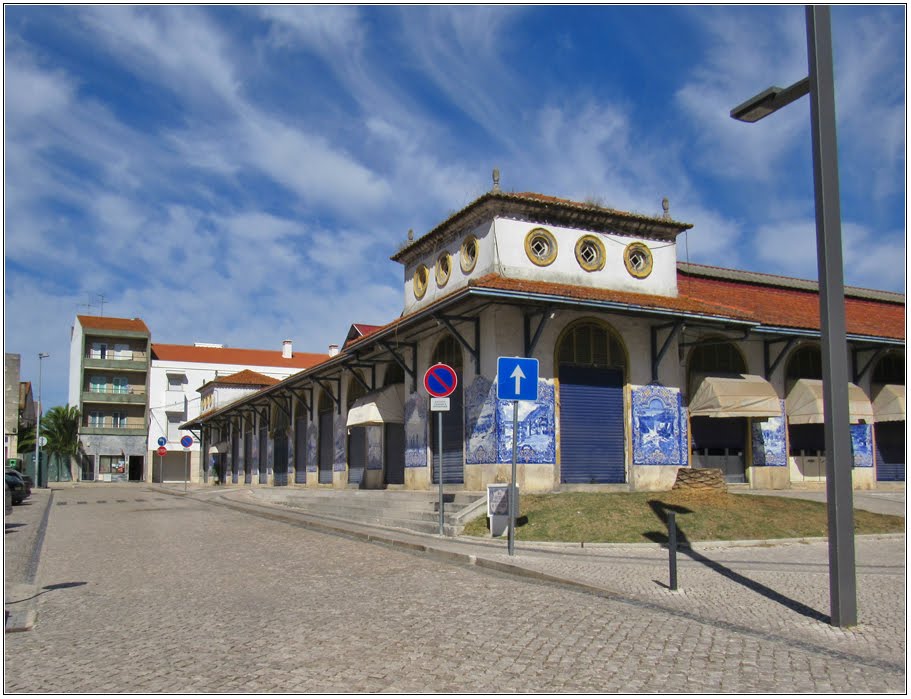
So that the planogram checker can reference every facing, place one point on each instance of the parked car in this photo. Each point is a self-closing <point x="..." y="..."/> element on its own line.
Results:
<point x="29" y="483"/>
<point x="9" y="498"/>
<point x="17" y="487"/>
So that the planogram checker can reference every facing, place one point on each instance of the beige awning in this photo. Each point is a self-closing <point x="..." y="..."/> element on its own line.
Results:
<point x="804" y="403"/>
<point x="379" y="407"/>
<point x="889" y="405"/>
<point x="735" y="395"/>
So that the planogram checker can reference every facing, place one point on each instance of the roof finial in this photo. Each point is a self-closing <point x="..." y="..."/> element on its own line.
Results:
<point x="666" y="205"/>
<point x="496" y="180"/>
<point x="410" y="235"/>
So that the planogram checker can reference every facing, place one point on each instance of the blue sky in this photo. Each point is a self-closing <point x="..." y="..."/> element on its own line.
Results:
<point x="242" y="174"/>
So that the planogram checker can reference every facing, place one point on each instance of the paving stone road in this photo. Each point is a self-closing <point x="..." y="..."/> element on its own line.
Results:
<point x="145" y="591"/>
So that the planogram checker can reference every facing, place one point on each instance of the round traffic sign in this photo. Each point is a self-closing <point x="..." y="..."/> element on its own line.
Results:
<point x="440" y="380"/>
<point x="162" y="451"/>
<point x="186" y="441"/>
<point x="162" y="441"/>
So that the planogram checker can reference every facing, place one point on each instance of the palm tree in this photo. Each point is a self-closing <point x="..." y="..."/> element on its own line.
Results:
<point x="61" y="427"/>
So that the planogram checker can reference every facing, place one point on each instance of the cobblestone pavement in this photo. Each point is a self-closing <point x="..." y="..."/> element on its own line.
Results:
<point x="146" y="591"/>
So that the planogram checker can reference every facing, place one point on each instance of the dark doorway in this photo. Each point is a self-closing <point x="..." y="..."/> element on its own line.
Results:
<point x="136" y="463"/>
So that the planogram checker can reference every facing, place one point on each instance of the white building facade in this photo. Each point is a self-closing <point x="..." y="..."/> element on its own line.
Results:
<point x="647" y="366"/>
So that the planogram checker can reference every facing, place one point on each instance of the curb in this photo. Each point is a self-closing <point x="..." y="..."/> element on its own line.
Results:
<point x="23" y="619"/>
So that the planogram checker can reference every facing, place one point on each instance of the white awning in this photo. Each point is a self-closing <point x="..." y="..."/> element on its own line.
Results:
<point x="889" y="405"/>
<point x="379" y="407"/>
<point x="735" y="395"/>
<point x="804" y="403"/>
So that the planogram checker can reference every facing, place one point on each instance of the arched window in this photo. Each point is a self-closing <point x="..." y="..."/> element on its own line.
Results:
<point x="394" y="374"/>
<point x="588" y="343"/>
<point x="889" y="369"/>
<point x="712" y="359"/>
<point x="325" y="402"/>
<point x="448" y="352"/>
<point x="355" y="390"/>
<point x="804" y="363"/>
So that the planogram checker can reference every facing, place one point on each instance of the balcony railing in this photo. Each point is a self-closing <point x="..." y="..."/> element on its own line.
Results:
<point x="110" y="423"/>
<point x="125" y="355"/>
<point x="108" y="391"/>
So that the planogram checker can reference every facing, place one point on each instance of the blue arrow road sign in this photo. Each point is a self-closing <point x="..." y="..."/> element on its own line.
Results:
<point x="517" y="378"/>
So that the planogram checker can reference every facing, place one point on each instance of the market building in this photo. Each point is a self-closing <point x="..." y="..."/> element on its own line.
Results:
<point x="647" y="365"/>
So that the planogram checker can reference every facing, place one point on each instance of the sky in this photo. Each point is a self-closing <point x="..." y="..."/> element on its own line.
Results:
<point x="241" y="175"/>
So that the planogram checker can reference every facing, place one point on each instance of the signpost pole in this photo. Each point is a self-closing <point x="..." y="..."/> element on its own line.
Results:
<point x="186" y="469"/>
<point x="512" y="482"/>
<point x="440" y="464"/>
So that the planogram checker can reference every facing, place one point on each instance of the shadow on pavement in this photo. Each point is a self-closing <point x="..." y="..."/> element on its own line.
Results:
<point x="49" y="588"/>
<point x="661" y="510"/>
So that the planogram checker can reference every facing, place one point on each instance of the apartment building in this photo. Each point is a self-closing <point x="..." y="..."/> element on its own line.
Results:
<point x="108" y="382"/>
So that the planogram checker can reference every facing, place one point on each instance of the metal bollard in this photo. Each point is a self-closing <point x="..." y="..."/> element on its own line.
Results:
<point x="672" y="547"/>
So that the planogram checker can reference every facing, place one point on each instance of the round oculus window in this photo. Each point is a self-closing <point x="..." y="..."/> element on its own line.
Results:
<point x="443" y="269"/>
<point x="638" y="260"/>
<point x="469" y="254"/>
<point x="541" y="246"/>
<point x="421" y="275"/>
<point x="590" y="253"/>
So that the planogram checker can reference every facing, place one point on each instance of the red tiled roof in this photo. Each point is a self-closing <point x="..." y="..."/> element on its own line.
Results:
<point x="795" y="308"/>
<point x="117" y="324"/>
<point x="586" y="293"/>
<point x="233" y="355"/>
<point x="247" y="377"/>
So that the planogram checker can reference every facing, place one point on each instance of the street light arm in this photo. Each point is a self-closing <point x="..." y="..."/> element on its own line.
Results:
<point x="770" y="101"/>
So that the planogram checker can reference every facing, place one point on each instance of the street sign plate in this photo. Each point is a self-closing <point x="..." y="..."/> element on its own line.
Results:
<point x="517" y="378"/>
<point x="440" y="380"/>
<point x="439" y="405"/>
<point x="162" y="451"/>
<point x="162" y="441"/>
<point x="186" y="441"/>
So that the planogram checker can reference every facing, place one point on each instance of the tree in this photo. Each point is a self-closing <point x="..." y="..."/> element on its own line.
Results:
<point x="26" y="441"/>
<point x="61" y="427"/>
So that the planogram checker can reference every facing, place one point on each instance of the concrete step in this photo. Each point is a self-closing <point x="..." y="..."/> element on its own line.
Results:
<point x="415" y="511"/>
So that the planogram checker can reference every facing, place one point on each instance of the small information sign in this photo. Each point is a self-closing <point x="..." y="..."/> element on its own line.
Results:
<point x="439" y="405"/>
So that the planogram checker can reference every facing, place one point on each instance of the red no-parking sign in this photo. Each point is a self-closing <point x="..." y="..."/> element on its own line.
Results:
<point x="440" y="380"/>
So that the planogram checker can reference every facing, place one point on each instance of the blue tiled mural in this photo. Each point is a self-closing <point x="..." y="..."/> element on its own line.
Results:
<point x="340" y="441"/>
<point x="312" y="447"/>
<point x="659" y="426"/>
<point x="488" y="426"/>
<point x="416" y="410"/>
<point x="374" y="447"/>
<point x="862" y="445"/>
<point x="768" y="437"/>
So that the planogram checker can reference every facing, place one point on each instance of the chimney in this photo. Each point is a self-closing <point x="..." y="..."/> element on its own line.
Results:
<point x="286" y="349"/>
<point x="333" y="350"/>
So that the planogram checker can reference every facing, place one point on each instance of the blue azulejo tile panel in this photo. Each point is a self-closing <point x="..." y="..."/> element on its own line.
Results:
<point x="481" y="422"/>
<point x="768" y="438"/>
<point x="416" y="410"/>
<point x="659" y="426"/>
<point x="862" y="445"/>
<point x="312" y="448"/>
<point x="374" y="447"/>
<point x="339" y="442"/>
<point x="535" y="433"/>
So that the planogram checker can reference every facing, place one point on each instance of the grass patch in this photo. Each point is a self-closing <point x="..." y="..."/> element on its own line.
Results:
<point x="701" y="516"/>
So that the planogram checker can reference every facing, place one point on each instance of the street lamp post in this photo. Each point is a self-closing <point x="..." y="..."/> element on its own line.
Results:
<point x="42" y="481"/>
<point x="839" y="496"/>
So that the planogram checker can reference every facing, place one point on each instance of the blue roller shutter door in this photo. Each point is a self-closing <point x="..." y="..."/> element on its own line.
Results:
<point x="326" y="447"/>
<point x="357" y="455"/>
<point x="280" y="460"/>
<point x="453" y="439"/>
<point x="394" y="449"/>
<point x="248" y="458"/>
<point x="300" y="451"/>
<point x="591" y="425"/>
<point x="263" y="446"/>
<point x="890" y="451"/>
<point x="235" y="457"/>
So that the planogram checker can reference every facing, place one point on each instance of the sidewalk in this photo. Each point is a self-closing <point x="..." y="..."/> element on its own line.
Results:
<point x="762" y="584"/>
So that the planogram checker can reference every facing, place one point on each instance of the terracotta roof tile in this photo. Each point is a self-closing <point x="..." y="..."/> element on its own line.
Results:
<point x="780" y="306"/>
<point x="105" y="323"/>
<point x="670" y="303"/>
<point x="233" y="355"/>
<point x="247" y="377"/>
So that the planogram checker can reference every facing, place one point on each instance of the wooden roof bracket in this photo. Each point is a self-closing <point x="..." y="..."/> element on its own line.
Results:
<point x="770" y="366"/>
<point x="531" y="341"/>
<point x="412" y="371"/>
<point x="475" y="351"/>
